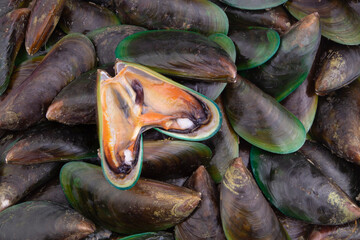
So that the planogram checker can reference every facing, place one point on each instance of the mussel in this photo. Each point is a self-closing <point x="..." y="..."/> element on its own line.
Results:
<point x="137" y="99"/>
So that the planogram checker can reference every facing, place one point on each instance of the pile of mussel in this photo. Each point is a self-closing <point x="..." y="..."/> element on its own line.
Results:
<point x="180" y="119"/>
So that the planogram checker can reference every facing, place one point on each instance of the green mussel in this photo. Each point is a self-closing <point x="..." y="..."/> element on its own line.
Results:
<point x="83" y="17"/>
<point x="148" y="206"/>
<point x="197" y="15"/>
<point x="253" y="4"/>
<point x="292" y="63"/>
<point x="138" y="99"/>
<point x="339" y="22"/>
<point x="245" y="213"/>
<point x="350" y="231"/>
<point x="150" y="236"/>
<point x="106" y="40"/>
<point x="339" y="68"/>
<point x="300" y="190"/>
<point x="28" y="103"/>
<point x="254" y="46"/>
<point x="17" y="181"/>
<point x="12" y="34"/>
<point x="204" y="222"/>
<point x="42" y="220"/>
<point x="44" y="17"/>
<point x="296" y="229"/>
<point x="178" y="53"/>
<point x="261" y="120"/>
<point x="336" y="123"/>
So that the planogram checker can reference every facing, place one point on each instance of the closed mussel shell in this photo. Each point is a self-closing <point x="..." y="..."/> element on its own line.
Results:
<point x="83" y="17"/>
<point x="336" y="123"/>
<point x="343" y="173"/>
<point x="49" y="142"/>
<point x="198" y="15"/>
<point x="44" y="17"/>
<point x="12" y="34"/>
<point x="173" y="159"/>
<point x="37" y="220"/>
<point x="76" y="103"/>
<point x="261" y="120"/>
<point x="150" y="236"/>
<point x="350" y="231"/>
<point x="28" y="104"/>
<point x="253" y="4"/>
<point x="9" y="5"/>
<point x="225" y="147"/>
<point x="106" y="39"/>
<point x="300" y="190"/>
<point x="148" y="206"/>
<point x="205" y="222"/>
<point x="178" y="53"/>
<point x="254" y="46"/>
<point x="296" y="229"/>
<point x="339" y="22"/>
<point x="292" y="63"/>
<point x="18" y="181"/>
<point x="245" y="213"/>
<point x="339" y="68"/>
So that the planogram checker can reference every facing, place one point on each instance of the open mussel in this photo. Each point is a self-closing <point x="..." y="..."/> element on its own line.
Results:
<point x="261" y="120"/>
<point x="299" y="189"/>
<point x="148" y="206"/>
<point x="137" y="99"/>
<point x="12" y="34"/>
<point x="197" y="15"/>
<point x="28" y="103"/>
<point x="339" y="22"/>
<point x="178" y="53"/>
<point x="44" y="17"/>
<point x="245" y="213"/>
<point x="43" y="220"/>
<point x="292" y="63"/>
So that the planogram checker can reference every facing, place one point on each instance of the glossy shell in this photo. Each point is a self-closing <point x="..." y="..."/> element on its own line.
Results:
<point x="245" y="213"/>
<point x="261" y="120"/>
<point x="341" y="24"/>
<point x="179" y="53"/>
<point x="148" y="206"/>
<point x="253" y="4"/>
<point x="198" y="15"/>
<point x="292" y="63"/>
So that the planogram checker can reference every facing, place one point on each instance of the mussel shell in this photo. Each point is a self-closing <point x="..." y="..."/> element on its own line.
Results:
<point x="350" y="231"/>
<point x="44" y="17"/>
<point x="76" y="102"/>
<point x="197" y="15"/>
<point x="339" y="22"/>
<point x="344" y="174"/>
<point x="261" y="120"/>
<point x="49" y="142"/>
<point x="204" y="222"/>
<point x="253" y="4"/>
<point x="18" y="181"/>
<point x="296" y="229"/>
<point x="12" y="34"/>
<point x="292" y="63"/>
<point x="150" y="236"/>
<point x="9" y="5"/>
<point x="254" y="46"/>
<point x="339" y="68"/>
<point x="303" y="102"/>
<point x="106" y="40"/>
<point x="336" y="124"/>
<point x="300" y="190"/>
<point x="225" y="146"/>
<point x="36" y="93"/>
<point x="226" y="43"/>
<point x="83" y="17"/>
<point x="43" y="220"/>
<point x="179" y="53"/>
<point x="173" y="159"/>
<point x="148" y="206"/>
<point x="211" y="90"/>
<point x="245" y="213"/>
